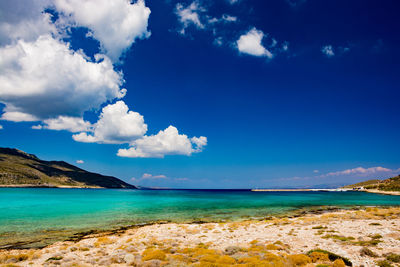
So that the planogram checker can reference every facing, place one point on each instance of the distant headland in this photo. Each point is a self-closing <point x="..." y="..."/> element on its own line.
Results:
<point x="20" y="169"/>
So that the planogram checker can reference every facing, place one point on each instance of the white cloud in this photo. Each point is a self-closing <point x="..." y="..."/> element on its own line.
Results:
<point x="225" y="18"/>
<point x="45" y="79"/>
<point x="20" y="19"/>
<point x="16" y="116"/>
<point x="116" y="24"/>
<point x="37" y="127"/>
<point x="42" y="79"/>
<point x="232" y="2"/>
<point x="150" y="176"/>
<point x="1" y="127"/>
<point x="328" y="51"/>
<point x="79" y="161"/>
<point x="167" y="142"/>
<point x="72" y="124"/>
<point x="189" y="15"/>
<point x="116" y="125"/>
<point x="251" y="43"/>
<point x="315" y="171"/>
<point x="359" y="171"/>
<point x="229" y="18"/>
<point x="199" y="142"/>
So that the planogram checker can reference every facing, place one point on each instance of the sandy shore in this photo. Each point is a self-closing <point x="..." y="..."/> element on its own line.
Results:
<point x="364" y="237"/>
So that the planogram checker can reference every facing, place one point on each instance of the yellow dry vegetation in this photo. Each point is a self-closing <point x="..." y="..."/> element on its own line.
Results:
<point x="18" y="257"/>
<point x="299" y="259"/>
<point x="319" y="257"/>
<point x="338" y="263"/>
<point x="103" y="240"/>
<point x="153" y="254"/>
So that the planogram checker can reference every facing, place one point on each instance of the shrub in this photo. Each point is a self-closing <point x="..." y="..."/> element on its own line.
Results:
<point x="393" y="257"/>
<point x="209" y="258"/>
<point x="367" y="252"/>
<point x="377" y="236"/>
<point x="153" y="254"/>
<point x="54" y="258"/>
<point x="339" y="237"/>
<point x="375" y="224"/>
<point x="249" y="260"/>
<point x="384" y="263"/>
<point x="318" y="256"/>
<point x="299" y="259"/>
<point x="272" y="247"/>
<point x="338" y="263"/>
<point x="226" y="260"/>
<point x="319" y="227"/>
<point x="103" y="240"/>
<point x="332" y="256"/>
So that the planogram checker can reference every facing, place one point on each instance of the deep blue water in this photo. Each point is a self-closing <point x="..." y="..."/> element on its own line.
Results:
<point x="28" y="214"/>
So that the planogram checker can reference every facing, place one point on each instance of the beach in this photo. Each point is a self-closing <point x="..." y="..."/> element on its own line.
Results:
<point x="363" y="237"/>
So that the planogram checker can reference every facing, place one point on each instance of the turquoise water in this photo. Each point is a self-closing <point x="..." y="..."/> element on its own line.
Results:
<point x="38" y="216"/>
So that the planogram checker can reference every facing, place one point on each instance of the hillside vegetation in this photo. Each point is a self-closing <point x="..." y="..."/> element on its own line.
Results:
<point x="391" y="184"/>
<point x="18" y="168"/>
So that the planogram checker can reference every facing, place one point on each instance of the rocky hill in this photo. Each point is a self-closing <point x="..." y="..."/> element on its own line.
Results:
<point x="18" y="168"/>
<point x="391" y="184"/>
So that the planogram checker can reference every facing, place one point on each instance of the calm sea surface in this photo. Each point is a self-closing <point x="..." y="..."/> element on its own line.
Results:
<point x="31" y="217"/>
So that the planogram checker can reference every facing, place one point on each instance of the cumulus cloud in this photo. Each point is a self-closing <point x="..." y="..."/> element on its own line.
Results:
<point x="1" y="127"/>
<point x="167" y="142"/>
<point x="43" y="79"/>
<point x="251" y="43"/>
<point x="116" y="125"/>
<point x="20" y="19"/>
<point x="16" y="116"/>
<point x="189" y="15"/>
<point x="328" y="51"/>
<point x="46" y="79"/>
<point x="115" y="24"/>
<point x="79" y="161"/>
<point x="72" y="124"/>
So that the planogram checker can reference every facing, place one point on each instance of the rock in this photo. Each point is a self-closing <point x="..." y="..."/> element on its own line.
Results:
<point x="232" y="250"/>
<point x="12" y="260"/>
<point x="129" y="258"/>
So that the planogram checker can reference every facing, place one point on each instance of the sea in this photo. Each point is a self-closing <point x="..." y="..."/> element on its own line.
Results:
<point x="36" y="217"/>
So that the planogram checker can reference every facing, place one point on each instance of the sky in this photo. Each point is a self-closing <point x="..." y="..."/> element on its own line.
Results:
<point x="205" y="94"/>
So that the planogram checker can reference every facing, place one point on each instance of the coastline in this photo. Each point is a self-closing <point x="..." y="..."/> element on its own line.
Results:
<point x="49" y="186"/>
<point x="288" y="239"/>
<point x="375" y="191"/>
<point x="303" y="190"/>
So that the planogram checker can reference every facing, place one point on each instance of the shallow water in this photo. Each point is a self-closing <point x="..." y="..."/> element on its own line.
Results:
<point x="31" y="217"/>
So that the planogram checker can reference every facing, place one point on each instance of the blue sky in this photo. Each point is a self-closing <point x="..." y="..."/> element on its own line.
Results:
<point x="257" y="93"/>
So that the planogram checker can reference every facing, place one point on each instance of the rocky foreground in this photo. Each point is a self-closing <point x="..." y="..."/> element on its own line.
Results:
<point x="369" y="237"/>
